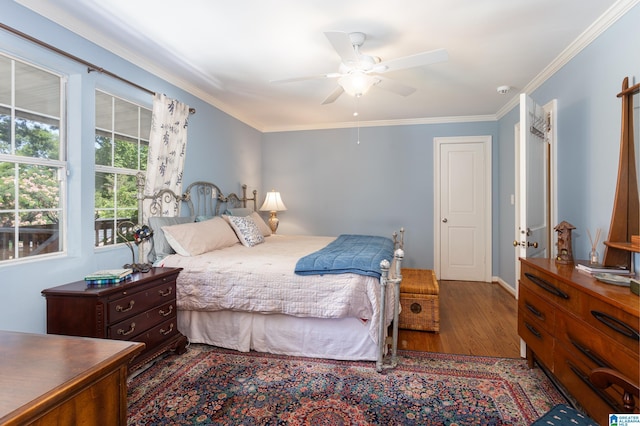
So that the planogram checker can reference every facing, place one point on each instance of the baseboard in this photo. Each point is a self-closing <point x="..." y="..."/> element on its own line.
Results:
<point x="505" y="285"/>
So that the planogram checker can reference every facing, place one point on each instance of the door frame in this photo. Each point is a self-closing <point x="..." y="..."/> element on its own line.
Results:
<point x="550" y="108"/>
<point x="486" y="141"/>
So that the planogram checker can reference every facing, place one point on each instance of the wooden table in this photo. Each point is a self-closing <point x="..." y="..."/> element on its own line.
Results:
<point x="48" y="379"/>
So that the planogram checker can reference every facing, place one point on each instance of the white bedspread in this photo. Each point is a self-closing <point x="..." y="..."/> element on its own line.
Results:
<point x="262" y="279"/>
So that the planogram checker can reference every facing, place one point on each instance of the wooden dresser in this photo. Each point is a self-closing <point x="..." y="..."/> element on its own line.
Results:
<point x="573" y="323"/>
<point x="142" y="309"/>
<point x="62" y="380"/>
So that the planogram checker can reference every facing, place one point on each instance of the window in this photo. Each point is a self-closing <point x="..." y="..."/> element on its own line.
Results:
<point x="121" y="149"/>
<point x="32" y="161"/>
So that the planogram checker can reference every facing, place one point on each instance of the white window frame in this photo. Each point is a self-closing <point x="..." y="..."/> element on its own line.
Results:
<point x="61" y="165"/>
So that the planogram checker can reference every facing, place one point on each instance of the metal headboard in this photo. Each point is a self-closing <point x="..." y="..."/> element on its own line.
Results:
<point x="202" y="199"/>
<point x="206" y="199"/>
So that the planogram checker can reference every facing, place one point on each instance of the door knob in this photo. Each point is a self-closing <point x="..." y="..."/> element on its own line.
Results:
<point x="444" y="220"/>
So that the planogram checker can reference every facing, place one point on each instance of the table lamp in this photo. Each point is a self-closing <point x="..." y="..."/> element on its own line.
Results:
<point x="273" y="204"/>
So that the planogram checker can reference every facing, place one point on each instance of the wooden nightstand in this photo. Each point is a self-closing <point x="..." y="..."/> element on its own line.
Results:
<point x="142" y="309"/>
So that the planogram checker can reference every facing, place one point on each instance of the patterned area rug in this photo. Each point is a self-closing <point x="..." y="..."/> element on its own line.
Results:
<point x="215" y="386"/>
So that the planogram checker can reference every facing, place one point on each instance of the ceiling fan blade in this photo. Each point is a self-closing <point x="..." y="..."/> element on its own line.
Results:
<point x="412" y="61"/>
<point x="309" y="77"/>
<point x="395" y="87"/>
<point x="334" y="95"/>
<point x="341" y="42"/>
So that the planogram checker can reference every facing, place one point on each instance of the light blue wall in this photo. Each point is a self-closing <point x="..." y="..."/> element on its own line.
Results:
<point x="332" y="185"/>
<point x="588" y="137"/>
<point x="221" y="149"/>
<point x="329" y="183"/>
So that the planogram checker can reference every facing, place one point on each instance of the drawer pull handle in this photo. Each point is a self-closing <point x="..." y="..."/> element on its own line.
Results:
<point x="546" y="285"/>
<point x="165" y="332"/>
<point x="165" y="293"/>
<point x="166" y="313"/>
<point x="533" y="330"/>
<point x="126" y="333"/>
<point x="585" y="379"/>
<point x="121" y="309"/>
<point x="616" y="325"/>
<point x="534" y="311"/>
<point x="589" y="354"/>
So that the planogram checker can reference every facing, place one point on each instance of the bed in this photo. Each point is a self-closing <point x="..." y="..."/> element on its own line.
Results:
<point x="244" y="288"/>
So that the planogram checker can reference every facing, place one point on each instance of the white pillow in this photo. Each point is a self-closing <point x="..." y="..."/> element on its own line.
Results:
<point x="262" y="225"/>
<point x="246" y="230"/>
<point x="192" y="239"/>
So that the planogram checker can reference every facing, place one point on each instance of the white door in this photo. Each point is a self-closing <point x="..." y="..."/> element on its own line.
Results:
<point x="534" y="175"/>
<point x="463" y="208"/>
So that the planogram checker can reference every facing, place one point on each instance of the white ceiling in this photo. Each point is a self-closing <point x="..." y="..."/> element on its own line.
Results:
<point x="226" y="52"/>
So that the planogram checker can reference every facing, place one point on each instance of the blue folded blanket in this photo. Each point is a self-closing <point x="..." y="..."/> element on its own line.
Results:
<point x="358" y="254"/>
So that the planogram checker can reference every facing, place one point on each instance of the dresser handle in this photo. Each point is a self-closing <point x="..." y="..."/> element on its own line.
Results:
<point x="121" y="309"/>
<point x="587" y="352"/>
<point x="166" y="313"/>
<point x="165" y="293"/>
<point x="616" y="325"/>
<point x="165" y="332"/>
<point x="534" y="311"/>
<point x="126" y="333"/>
<point x="585" y="379"/>
<point x="533" y="330"/>
<point x="545" y="285"/>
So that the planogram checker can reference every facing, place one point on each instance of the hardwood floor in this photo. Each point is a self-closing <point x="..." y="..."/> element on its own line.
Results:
<point x="476" y="318"/>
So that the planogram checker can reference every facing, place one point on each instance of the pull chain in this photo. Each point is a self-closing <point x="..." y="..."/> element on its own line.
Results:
<point x="357" y="115"/>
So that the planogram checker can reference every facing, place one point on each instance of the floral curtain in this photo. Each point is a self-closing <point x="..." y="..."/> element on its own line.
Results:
<point x="167" y="149"/>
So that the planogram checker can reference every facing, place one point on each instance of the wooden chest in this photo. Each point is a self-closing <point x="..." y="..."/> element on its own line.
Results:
<point x="419" y="298"/>
<point x="142" y="309"/>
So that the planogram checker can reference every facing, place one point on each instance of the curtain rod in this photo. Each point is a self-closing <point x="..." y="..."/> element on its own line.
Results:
<point x="90" y="67"/>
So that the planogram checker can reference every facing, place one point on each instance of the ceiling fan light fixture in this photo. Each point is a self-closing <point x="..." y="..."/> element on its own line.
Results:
<point x="357" y="82"/>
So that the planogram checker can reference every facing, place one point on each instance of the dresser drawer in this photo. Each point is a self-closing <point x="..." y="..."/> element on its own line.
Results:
<point x="124" y="330"/>
<point x="137" y="302"/>
<point x="574" y="376"/>
<point x="595" y="349"/>
<point x="548" y="287"/>
<point x="537" y="310"/>
<point x="538" y="340"/>
<point x="619" y="325"/>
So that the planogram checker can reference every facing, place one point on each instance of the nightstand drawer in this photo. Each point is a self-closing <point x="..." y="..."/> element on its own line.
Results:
<point x="141" y="301"/>
<point x="124" y="330"/>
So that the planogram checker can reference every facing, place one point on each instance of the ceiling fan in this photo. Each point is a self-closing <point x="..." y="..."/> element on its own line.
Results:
<point x="359" y="72"/>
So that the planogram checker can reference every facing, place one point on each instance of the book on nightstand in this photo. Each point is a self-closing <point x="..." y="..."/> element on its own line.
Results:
<point x="109" y="274"/>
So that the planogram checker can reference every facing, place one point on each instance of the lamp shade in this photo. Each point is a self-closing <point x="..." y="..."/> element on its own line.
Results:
<point x="273" y="202"/>
<point x="357" y="82"/>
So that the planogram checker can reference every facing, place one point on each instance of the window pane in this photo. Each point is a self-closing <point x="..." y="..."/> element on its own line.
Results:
<point x="126" y="153"/>
<point x="104" y="111"/>
<point x="104" y="195"/>
<point x="7" y="236"/>
<point x="38" y="188"/>
<point x="37" y="136"/>
<point x="5" y="80"/>
<point x="127" y="193"/>
<point x="39" y="233"/>
<point x="104" y="152"/>
<point x="37" y="90"/>
<point x="126" y="115"/>
<point x="5" y="130"/>
<point x="7" y="187"/>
